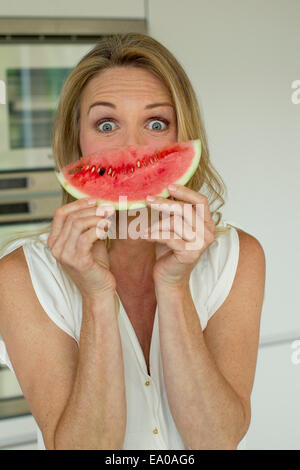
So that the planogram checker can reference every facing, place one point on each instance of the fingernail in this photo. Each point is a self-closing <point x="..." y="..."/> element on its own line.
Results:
<point x="92" y="201"/>
<point x="171" y="187"/>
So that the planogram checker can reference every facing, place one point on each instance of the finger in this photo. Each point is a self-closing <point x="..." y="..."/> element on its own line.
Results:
<point x="73" y="243"/>
<point x="187" y="211"/>
<point x="189" y="251"/>
<point x="183" y="229"/>
<point x="185" y="194"/>
<point x="82" y="253"/>
<point x="179" y="226"/>
<point x="163" y="237"/>
<point x="72" y="217"/>
<point x="67" y="226"/>
<point x="62" y="212"/>
<point x="160" y="236"/>
<point x="168" y="207"/>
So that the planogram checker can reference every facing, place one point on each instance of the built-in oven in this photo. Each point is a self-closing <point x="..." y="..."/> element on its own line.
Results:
<point x="28" y="196"/>
<point x="36" y="56"/>
<point x="33" y="75"/>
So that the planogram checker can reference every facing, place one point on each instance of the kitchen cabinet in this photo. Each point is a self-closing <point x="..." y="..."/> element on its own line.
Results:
<point x="68" y="8"/>
<point x="276" y="399"/>
<point x="18" y="433"/>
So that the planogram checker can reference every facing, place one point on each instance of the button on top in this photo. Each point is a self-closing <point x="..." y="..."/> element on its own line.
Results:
<point x="155" y="431"/>
<point x="147" y="383"/>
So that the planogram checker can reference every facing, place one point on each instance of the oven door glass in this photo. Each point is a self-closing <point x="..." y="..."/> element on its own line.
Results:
<point x="34" y="75"/>
<point x="33" y="98"/>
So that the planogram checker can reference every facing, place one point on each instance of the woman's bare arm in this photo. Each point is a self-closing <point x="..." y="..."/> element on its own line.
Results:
<point x="209" y="374"/>
<point x="95" y="414"/>
<point x="76" y="395"/>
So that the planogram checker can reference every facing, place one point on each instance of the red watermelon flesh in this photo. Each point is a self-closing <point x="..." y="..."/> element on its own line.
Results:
<point x="132" y="171"/>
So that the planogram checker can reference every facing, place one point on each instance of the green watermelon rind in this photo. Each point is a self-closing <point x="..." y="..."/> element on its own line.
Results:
<point x="123" y="205"/>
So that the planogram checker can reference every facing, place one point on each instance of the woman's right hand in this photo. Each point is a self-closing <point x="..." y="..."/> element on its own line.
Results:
<point x="74" y="241"/>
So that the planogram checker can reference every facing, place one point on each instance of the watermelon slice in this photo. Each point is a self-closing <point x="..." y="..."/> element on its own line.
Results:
<point x="133" y="171"/>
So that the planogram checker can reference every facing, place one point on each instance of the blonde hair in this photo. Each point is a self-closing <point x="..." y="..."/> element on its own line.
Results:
<point x="138" y="50"/>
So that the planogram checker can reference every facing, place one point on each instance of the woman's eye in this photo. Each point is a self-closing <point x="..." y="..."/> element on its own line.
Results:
<point x="158" y="124"/>
<point x="107" y="126"/>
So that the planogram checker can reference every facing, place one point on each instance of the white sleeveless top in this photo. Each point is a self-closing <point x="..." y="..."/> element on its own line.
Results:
<point x="150" y="425"/>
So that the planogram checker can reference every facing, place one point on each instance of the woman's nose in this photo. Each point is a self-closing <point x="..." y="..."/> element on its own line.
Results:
<point x="133" y="138"/>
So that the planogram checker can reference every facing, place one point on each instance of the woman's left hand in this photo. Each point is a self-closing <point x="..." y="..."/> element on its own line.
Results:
<point x="189" y="233"/>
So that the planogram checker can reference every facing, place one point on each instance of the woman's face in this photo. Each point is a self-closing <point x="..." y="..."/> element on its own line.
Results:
<point x="136" y="109"/>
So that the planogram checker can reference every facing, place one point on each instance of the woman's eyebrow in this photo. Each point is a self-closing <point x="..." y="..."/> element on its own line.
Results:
<point x="111" y="105"/>
<point x="155" y="105"/>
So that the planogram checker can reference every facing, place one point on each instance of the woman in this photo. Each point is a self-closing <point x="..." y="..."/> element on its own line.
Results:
<point x="175" y="369"/>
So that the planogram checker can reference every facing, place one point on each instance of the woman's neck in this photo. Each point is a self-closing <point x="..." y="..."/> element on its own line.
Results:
<point x="132" y="260"/>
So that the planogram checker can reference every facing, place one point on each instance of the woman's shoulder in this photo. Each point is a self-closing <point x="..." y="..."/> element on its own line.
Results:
<point x="224" y="247"/>
<point x="237" y="241"/>
<point x="12" y="256"/>
<point x="227" y="243"/>
<point x="33" y="252"/>
<point x="13" y="246"/>
<point x="29" y="253"/>
<point x="56" y="292"/>
<point x="215" y="272"/>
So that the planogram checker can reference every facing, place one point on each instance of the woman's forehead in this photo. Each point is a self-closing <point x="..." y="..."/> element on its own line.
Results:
<point x="125" y="82"/>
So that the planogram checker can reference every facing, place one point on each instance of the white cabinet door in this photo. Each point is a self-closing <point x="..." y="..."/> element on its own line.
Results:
<point x="18" y="433"/>
<point x="276" y="399"/>
<point x="68" y="8"/>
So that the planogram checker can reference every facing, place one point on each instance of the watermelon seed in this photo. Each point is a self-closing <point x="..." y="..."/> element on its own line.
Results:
<point x="72" y="171"/>
<point x="138" y="163"/>
<point x="101" y="171"/>
<point x="151" y="160"/>
<point x="113" y="173"/>
<point x="109" y="171"/>
<point x="93" y="169"/>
